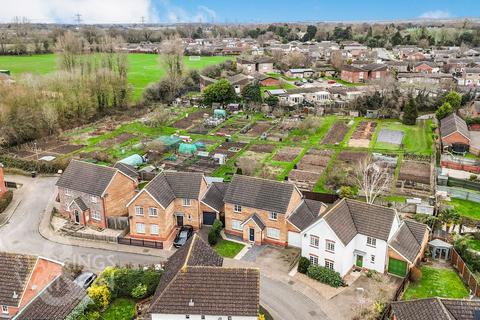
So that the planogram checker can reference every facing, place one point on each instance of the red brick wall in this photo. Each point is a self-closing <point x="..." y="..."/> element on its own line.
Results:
<point x="423" y="68"/>
<point x="270" y="82"/>
<point x="353" y="76"/>
<point x="458" y="166"/>
<point x="455" y="138"/>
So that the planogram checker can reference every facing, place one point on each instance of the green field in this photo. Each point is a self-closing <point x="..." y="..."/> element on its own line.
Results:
<point x="436" y="282"/>
<point x="143" y="68"/>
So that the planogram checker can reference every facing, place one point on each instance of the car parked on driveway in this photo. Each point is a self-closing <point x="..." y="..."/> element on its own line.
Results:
<point x="183" y="235"/>
<point x="85" y="279"/>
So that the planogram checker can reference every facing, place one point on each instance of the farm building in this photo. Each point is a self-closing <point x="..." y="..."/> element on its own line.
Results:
<point x="454" y="133"/>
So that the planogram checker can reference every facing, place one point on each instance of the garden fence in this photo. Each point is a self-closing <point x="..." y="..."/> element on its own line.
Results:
<point x="387" y="312"/>
<point x="460" y="193"/>
<point x="465" y="273"/>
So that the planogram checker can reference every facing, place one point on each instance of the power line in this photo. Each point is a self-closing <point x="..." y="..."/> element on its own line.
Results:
<point x="78" y="18"/>
<point x="142" y="19"/>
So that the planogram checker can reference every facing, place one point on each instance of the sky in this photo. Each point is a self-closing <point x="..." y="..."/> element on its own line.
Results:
<point x="233" y="11"/>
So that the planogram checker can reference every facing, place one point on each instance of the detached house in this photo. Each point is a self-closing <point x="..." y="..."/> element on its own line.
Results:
<point x="426" y="67"/>
<point x="354" y="234"/>
<point x="250" y="66"/>
<point x="454" y="133"/>
<point x="91" y="194"/>
<point x="266" y="211"/>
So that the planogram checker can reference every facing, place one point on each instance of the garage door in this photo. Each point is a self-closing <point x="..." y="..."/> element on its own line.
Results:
<point x="294" y="239"/>
<point x="208" y="218"/>
<point x="397" y="267"/>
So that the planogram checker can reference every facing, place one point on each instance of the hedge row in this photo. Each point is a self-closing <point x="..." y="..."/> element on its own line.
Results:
<point x="5" y="200"/>
<point x="214" y="233"/>
<point x="32" y="165"/>
<point x="319" y="273"/>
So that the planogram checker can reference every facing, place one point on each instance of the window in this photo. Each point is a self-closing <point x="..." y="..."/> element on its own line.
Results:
<point x="5" y="309"/>
<point x="237" y="208"/>
<point x="372" y="258"/>
<point x="372" y="242"/>
<point x="154" y="229"/>
<point x="186" y="202"/>
<point x="96" y="215"/>
<point x="152" y="212"/>
<point x="139" y="211"/>
<point x="377" y="75"/>
<point x="329" y="246"/>
<point x="93" y="199"/>
<point x="360" y="75"/>
<point x="68" y="192"/>
<point x="236" y="225"/>
<point x="273" y="233"/>
<point x="202" y="317"/>
<point x="314" y="241"/>
<point x="140" y="228"/>
<point x="313" y="259"/>
<point x="273" y="216"/>
<point x="329" y="264"/>
<point x="187" y="316"/>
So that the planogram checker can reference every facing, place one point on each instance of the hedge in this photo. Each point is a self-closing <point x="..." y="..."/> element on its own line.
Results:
<point x="214" y="233"/>
<point x="303" y="265"/>
<point x="32" y="165"/>
<point x="325" y="275"/>
<point x="5" y="200"/>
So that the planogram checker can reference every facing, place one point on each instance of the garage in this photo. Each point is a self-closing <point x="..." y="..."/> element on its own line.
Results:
<point x="294" y="239"/>
<point x="209" y="218"/>
<point x="397" y="267"/>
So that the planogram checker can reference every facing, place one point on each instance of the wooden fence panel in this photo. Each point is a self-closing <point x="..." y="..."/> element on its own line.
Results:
<point x="465" y="273"/>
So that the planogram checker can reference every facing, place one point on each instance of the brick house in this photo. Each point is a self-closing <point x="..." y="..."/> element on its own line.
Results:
<point x="266" y="211"/>
<point x="425" y="67"/>
<point x="169" y="201"/>
<point x="353" y="74"/>
<point x="250" y="66"/>
<point x="3" y="187"/>
<point x="454" y="132"/>
<point x="376" y="71"/>
<point x="471" y="77"/>
<point x="90" y="194"/>
<point x="22" y="278"/>
<point x="267" y="81"/>
<point x="436" y="309"/>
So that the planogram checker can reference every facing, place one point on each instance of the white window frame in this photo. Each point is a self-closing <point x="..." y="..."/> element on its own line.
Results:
<point x="152" y="212"/>
<point x="270" y="235"/>
<point x="154" y="226"/>
<point x="329" y="264"/>
<point x="186" y="202"/>
<point x="96" y="215"/>
<point x="236" y="225"/>
<point x="313" y="259"/>
<point x="142" y="231"/>
<point x="330" y="246"/>
<point x="371" y="242"/>
<point x="273" y="216"/>
<point x="68" y="192"/>
<point x="314" y="241"/>
<point x="4" y="309"/>
<point x="93" y="199"/>
<point x="139" y="211"/>
<point x="237" y="208"/>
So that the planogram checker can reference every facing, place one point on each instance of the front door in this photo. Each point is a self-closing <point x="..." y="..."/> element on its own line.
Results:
<point x="180" y="221"/>
<point x="252" y="234"/>
<point x="359" y="262"/>
<point x="76" y="216"/>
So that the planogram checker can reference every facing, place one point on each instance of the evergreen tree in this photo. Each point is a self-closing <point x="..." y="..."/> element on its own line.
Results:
<point x="410" y="112"/>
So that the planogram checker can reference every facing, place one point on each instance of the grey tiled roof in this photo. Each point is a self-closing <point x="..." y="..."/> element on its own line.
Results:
<point x="259" y="193"/>
<point x="15" y="270"/>
<point x="408" y="239"/>
<point x="86" y="177"/>
<point x="56" y="302"/>
<point x="257" y="220"/>
<point x="214" y="196"/>
<point x="194" y="274"/>
<point x="306" y="213"/>
<point x="453" y="123"/>
<point x="436" y="309"/>
<point x="349" y="217"/>
<point x="81" y="204"/>
<point x="127" y="169"/>
<point x="160" y="190"/>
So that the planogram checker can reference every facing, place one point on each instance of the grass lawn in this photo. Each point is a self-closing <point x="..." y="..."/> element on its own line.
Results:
<point x="435" y="282"/>
<point x="120" y="309"/>
<point x="143" y="68"/>
<point x="474" y="244"/>
<point x="466" y="208"/>
<point x="228" y="249"/>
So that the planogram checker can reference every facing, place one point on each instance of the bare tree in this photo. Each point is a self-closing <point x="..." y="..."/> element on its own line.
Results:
<point x="372" y="179"/>
<point x="172" y="61"/>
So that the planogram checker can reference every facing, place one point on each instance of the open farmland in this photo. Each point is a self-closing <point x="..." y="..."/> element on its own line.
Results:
<point x="143" y="68"/>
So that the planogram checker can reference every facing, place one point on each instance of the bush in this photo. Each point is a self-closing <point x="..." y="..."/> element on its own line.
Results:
<point x="325" y="275"/>
<point x="346" y="192"/>
<point x="303" y="265"/>
<point x="214" y="233"/>
<point x="139" y="291"/>
<point x="415" y="274"/>
<point x="31" y="165"/>
<point x="100" y="295"/>
<point x="5" y="200"/>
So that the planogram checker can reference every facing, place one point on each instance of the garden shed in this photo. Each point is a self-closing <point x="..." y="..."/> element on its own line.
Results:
<point x="440" y="249"/>
<point x="219" y="113"/>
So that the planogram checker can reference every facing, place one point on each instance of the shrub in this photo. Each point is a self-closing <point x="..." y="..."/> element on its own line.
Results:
<point x="346" y="192"/>
<point x="325" y="275"/>
<point x="303" y="265"/>
<point x="31" y="165"/>
<point x="214" y="233"/>
<point x="473" y="177"/>
<point x="100" y="295"/>
<point x="139" y="291"/>
<point x="415" y="274"/>
<point x="93" y="315"/>
<point x="5" y="200"/>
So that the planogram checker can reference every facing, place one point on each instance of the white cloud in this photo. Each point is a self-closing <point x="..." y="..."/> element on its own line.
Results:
<point x="435" y="14"/>
<point x="170" y="12"/>
<point x="92" y="11"/>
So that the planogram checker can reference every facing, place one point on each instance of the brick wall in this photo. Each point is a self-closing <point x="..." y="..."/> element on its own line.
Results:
<point x="120" y="191"/>
<point x="455" y="137"/>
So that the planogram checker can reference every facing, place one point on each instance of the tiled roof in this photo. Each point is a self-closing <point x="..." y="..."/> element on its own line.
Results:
<point x="81" y="204"/>
<point x="195" y="283"/>
<point x="15" y="270"/>
<point x="349" y="217"/>
<point x="86" y="177"/>
<point x="306" y="213"/>
<point x="259" y="193"/>
<point x="56" y="302"/>
<point x="453" y="123"/>
<point x="214" y="196"/>
<point x="127" y="170"/>
<point x="258" y="221"/>
<point x="408" y="239"/>
<point x="435" y="309"/>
